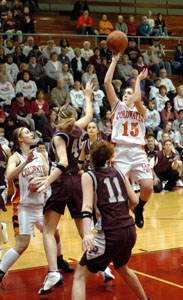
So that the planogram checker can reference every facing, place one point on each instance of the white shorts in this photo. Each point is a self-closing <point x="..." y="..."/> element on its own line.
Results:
<point x="26" y="218"/>
<point x="132" y="159"/>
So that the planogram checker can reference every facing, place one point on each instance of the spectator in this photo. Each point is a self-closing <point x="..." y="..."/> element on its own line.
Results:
<point x="3" y="71"/>
<point x="98" y="94"/>
<point x="176" y="122"/>
<point x="2" y="115"/>
<point x="35" y="51"/>
<point x="17" y="9"/>
<point x="27" y="21"/>
<point x="22" y="109"/>
<point x="104" y="50"/>
<point x="53" y="70"/>
<point x="29" y="46"/>
<point x="10" y="48"/>
<point x="133" y="75"/>
<point x="7" y="92"/>
<point x="118" y="88"/>
<point x="102" y="72"/>
<point x="18" y="56"/>
<point x="88" y="75"/>
<point x="124" y="69"/>
<point x="178" y="59"/>
<point x="63" y="58"/>
<point x="49" y="128"/>
<point x="105" y="26"/>
<point x="78" y="9"/>
<point x="167" y="128"/>
<point x="178" y="99"/>
<point x="144" y="28"/>
<point x="27" y="87"/>
<point x="10" y="125"/>
<point x="86" y="52"/>
<point x="160" y="24"/>
<point x="67" y="77"/>
<point x="152" y="118"/>
<point x="3" y="10"/>
<point x="11" y="27"/>
<point x="154" y="89"/>
<point x="179" y="140"/>
<point x="161" y="98"/>
<point x="65" y="44"/>
<point x="2" y="55"/>
<point x="140" y="66"/>
<point x="77" y="98"/>
<point x="132" y="51"/>
<point x="159" y="52"/>
<point x="3" y="140"/>
<point x="105" y="125"/>
<point x="37" y="73"/>
<point x="49" y="49"/>
<point x="78" y="65"/>
<point x="151" y="148"/>
<point x="59" y="95"/>
<point x="165" y="166"/>
<point x="168" y="113"/>
<point x="85" y="24"/>
<point x="150" y="21"/>
<point x="120" y="25"/>
<point x="167" y="82"/>
<point x="132" y="27"/>
<point x="40" y="109"/>
<point x="23" y="67"/>
<point x="11" y="67"/>
<point x="151" y="60"/>
<point x="96" y="60"/>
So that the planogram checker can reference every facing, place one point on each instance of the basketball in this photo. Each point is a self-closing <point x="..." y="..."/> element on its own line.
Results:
<point x="117" y="41"/>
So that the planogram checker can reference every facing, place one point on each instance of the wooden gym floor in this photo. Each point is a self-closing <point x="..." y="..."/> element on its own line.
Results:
<point x="157" y="258"/>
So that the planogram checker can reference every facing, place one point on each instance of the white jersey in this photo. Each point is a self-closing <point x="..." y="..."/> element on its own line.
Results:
<point x="128" y="126"/>
<point x="23" y="196"/>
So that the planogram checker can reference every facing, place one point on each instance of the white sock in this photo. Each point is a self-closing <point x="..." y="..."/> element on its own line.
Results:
<point x="8" y="260"/>
<point x="59" y="248"/>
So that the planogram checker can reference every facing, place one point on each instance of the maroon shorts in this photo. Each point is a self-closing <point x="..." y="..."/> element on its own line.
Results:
<point x="110" y="246"/>
<point x="66" y="191"/>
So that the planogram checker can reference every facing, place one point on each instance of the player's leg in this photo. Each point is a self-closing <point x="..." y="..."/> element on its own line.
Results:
<point x="79" y="283"/>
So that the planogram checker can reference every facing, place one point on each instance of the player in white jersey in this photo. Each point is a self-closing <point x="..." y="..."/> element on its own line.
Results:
<point x="128" y="136"/>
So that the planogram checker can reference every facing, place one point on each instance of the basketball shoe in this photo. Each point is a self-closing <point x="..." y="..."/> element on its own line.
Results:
<point x="4" y="233"/>
<point x="54" y="278"/>
<point x="64" y="265"/>
<point x="107" y="275"/>
<point x="1" y="275"/>
<point x="139" y="219"/>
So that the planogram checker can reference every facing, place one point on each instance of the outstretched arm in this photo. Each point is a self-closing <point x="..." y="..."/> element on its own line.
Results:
<point x="111" y="95"/>
<point x="138" y="94"/>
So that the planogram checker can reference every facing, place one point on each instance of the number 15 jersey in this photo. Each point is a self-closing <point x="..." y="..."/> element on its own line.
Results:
<point x="128" y="125"/>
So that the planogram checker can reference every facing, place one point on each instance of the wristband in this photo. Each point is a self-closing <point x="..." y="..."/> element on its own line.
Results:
<point x="81" y="162"/>
<point x="60" y="167"/>
<point x="86" y="214"/>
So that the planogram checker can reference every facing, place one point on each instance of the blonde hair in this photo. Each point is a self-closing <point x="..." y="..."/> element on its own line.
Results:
<point x="68" y="116"/>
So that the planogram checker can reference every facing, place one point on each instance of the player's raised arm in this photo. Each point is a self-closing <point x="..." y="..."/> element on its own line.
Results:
<point x="138" y="94"/>
<point x="111" y="95"/>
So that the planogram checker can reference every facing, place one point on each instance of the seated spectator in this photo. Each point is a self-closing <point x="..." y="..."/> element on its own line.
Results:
<point x="120" y="25"/>
<point x="168" y="113"/>
<point x="11" y="67"/>
<point x="176" y="122"/>
<point x="102" y="72"/>
<point x="178" y="59"/>
<point x="159" y="52"/>
<point x="3" y="71"/>
<point x="10" y="26"/>
<point x="132" y="27"/>
<point x="140" y="66"/>
<point x="10" y="48"/>
<point x="178" y="99"/>
<point x="151" y="147"/>
<point x="161" y="98"/>
<point x="49" y="49"/>
<point x="27" y="87"/>
<point x="85" y="24"/>
<point x="88" y="75"/>
<point x="67" y="77"/>
<point x="152" y="118"/>
<point x="49" y="127"/>
<point x="22" y="109"/>
<point x="18" y="56"/>
<point x="53" y="70"/>
<point x="133" y="75"/>
<point x="10" y="125"/>
<point x="168" y="83"/>
<point x="151" y="60"/>
<point x="144" y="28"/>
<point x="78" y="64"/>
<point x="29" y="46"/>
<point x="167" y="128"/>
<point x="86" y="52"/>
<point x="132" y="51"/>
<point x="79" y="7"/>
<point x="165" y="168"/>
<point x="3" y="140"/>
<point x="105" y="125"/>
<point x="77" y="98"/>
<point x="105" y="26"/>
<point x="104" y="51"/>
<point x="7" y="91"/>
<point x="2" y="55"/>
<point x="178" y="140"/>
<point x="37" y="73"/>
<point x="17" y="9"/>
<point x="3" y="10"/>
<point x="150" y="21"/>
<point x="65" y="44"/>
<point x="160" y="24"/>
<point x="154" y="89"/>
<point x="59" y="95"/>
<point x="27" y="21"/>
<point x="63" y="58"/>
<point x="40" y="109"/>
<point x="2" y="115"/>
<point x="38" y="54"/>
<point x="96" y="60"/>
<point x="124" y="69"/>
<point x="98" y="94"/>
<point x="118" y="88"/>
<point x="23" y="67"/>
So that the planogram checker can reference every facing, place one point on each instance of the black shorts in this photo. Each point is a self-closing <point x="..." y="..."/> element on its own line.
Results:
<point x="110" y="246"/>
<point x="66" y="191"/>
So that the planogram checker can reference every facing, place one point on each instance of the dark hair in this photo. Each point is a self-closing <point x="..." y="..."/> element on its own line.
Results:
<point x="180" y="111"/>
<point x="101" y="152"/>
<point x="53" y="53"/>
<point x="167" y="141"/>
<point x="166" y="104"/>
<point x="180" y="124"/>
<point x="62" y="41"/>
<point x="40" y="143"/>
<point x="162" y="87"/>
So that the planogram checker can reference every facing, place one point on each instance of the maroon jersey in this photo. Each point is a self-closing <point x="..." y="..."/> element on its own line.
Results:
<point x="112" y="199"/>
<point x="86" y="145"/>
<point x="3" y="164"/>
<point x="164" y="162"/>
<point x="151" y="153"/>
<point x="73" y="148"/>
